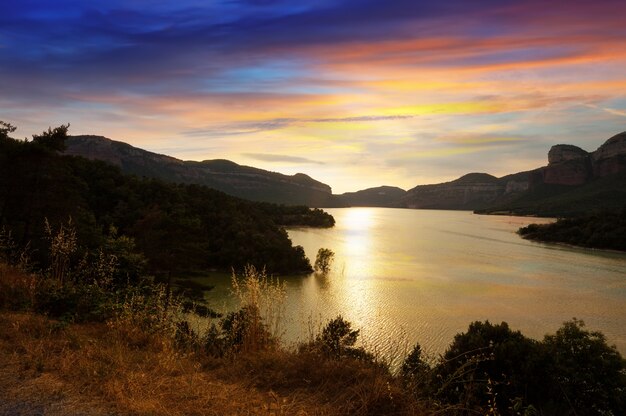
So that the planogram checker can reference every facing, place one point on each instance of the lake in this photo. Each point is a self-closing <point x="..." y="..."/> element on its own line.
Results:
<point x="406" y="276"/>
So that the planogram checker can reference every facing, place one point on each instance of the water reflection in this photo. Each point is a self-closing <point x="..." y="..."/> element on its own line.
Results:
<point x="406" y="276"/>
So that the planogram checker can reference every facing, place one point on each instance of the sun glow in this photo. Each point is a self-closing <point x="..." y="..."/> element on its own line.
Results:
<point x="358" y="218"/>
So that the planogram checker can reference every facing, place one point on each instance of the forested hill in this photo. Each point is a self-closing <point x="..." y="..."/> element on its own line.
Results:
<point x="241" y="181"/>
<point x="177" y="227"/>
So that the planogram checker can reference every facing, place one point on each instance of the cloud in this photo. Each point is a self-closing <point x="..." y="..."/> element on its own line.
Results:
<point x="253" y="127"/>
<point x="613" y="111"/>
<point x="332" y="80"/>
<point x="267" y="157"/>
<point x="241" y="128"/>
<point x="360" y="118"/>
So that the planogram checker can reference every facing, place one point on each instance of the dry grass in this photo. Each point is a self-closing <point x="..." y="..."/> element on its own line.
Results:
<point x="125" y="368"/>
<point x="47" y="367"/>
<point x="339" y="387"/>
<point x="16" y="288"/>
<point x="94" y="369"/>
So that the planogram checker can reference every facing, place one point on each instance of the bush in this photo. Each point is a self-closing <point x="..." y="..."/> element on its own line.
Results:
<point x="489" y="365"/>
<point x="586" y="376"/>
<point x="336" y="341"/>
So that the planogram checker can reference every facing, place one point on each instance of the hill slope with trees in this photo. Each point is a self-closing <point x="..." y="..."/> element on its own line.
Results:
<point x="176" y="226"/>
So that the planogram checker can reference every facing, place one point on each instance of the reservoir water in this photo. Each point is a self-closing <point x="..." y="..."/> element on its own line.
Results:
<point x="406" y="276"/>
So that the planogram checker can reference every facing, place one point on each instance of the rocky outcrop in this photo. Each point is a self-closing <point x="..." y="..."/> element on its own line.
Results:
<point x="564" y="153"/>
<point x="610" y="158"/>
<point x="568" y="166"/>
<point x="224" y="175"/>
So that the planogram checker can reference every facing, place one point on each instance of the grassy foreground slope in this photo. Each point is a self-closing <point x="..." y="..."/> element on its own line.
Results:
<point x="138" y="354"/>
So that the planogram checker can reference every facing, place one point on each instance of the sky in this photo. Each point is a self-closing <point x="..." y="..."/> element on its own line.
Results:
<point x="356" y="93"/>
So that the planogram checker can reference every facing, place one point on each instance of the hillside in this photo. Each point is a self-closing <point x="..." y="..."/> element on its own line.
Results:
<point x="177" y="227"/>
<point x="573" y="182"/>
<point x="382" y="196"/>
<point x="226" y="176"/>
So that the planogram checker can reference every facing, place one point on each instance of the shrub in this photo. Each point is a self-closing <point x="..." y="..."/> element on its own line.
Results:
<point x="585" y="375"/>
<point x="488" y="365"/>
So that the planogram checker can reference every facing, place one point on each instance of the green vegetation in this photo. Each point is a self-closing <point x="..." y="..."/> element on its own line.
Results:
<point x="297" y="215"/>
<point x="178" y="228"/>
<point x="492" y="369"/>
<point x="605" y="230"/>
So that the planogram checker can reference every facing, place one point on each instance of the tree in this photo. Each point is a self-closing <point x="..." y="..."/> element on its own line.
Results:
<point x="487" y="361"/>
<point x="324" y="260"/>
<point x="587" y="376"/>
<point x="5" y="129"/>
<point x="337" y="341"/>
<point x="415" y="371"/>
<point x="53" y="139"/>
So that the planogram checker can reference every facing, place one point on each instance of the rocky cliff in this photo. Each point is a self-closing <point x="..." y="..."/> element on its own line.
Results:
<point x="610" y="158"/>
<point x="229" y="177"/>
<point x="568" y="167"/>
<point x="571" y="165"/>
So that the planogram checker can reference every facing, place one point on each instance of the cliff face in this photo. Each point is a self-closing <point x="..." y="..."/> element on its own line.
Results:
<point x="229" y="177"/>
<point x="571" y="165"/>
<point x="610" y="158"/>
<point x="568" y="166"/>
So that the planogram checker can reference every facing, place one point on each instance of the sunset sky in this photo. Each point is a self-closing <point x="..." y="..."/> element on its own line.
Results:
<point x="354" y="93"/>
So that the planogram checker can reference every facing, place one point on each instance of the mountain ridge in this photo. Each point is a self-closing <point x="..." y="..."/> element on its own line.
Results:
<point x="221" y="174"/>
<point x="569" y="170"/>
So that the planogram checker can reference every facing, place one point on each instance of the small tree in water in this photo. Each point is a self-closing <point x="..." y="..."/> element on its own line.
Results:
<point x="324" y="260"/>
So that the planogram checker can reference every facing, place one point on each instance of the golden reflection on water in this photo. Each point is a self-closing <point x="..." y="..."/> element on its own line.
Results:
<point x="356" y="241"/>
<point x="358" y="218"/>
<point x="428" y="274"/>
<point x="406" y="276"/>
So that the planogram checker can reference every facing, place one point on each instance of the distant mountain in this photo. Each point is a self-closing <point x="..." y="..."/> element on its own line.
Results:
<point x="224" y="175"/>
<point x="573" y="182"/>
<point x="382" y="196"/>
<point x="468" y="192"/>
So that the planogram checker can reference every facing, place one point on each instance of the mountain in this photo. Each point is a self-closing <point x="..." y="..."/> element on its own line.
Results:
<point x="574" y="181"/>
<point x="468" y="192"/>
<point x="382" y="196"/>
<point x="223" y="175"/>
<point x="177" y="227"/>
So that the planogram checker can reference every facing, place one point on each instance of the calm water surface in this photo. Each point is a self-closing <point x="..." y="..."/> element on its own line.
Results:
<point x="406" y="276"/>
